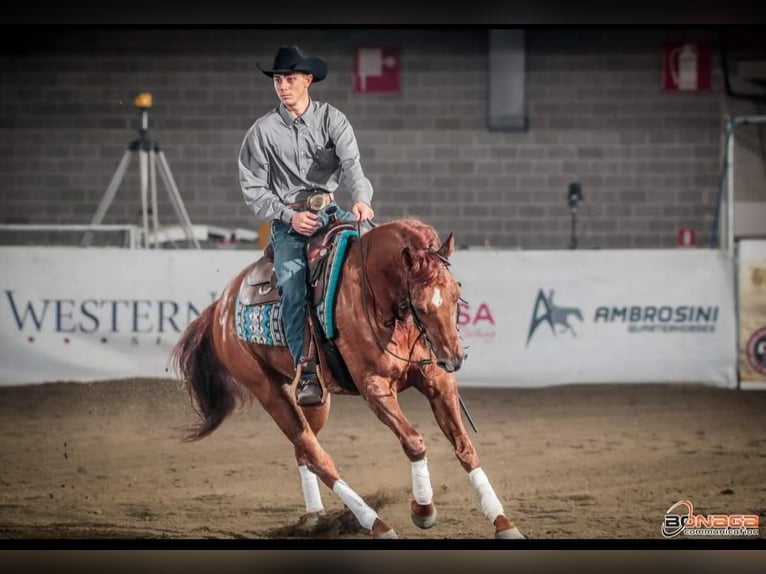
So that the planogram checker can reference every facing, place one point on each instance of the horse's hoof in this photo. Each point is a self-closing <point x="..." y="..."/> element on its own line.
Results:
<point x="510" y="534"/>
<point x="310" y="520"/>
<point x="427" y="522"/>
<point x="417" y="512"/>
<point x="382" y="530"/>
<point x="389" y="534"/>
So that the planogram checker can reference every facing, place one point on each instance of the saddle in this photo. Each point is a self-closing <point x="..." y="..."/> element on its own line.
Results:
<point x="260" y="288"/>
<point x="260" y="284"/>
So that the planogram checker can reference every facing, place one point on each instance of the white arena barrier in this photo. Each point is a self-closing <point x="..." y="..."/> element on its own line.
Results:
<point x="752" y="313"/>
<point x="539" y="318"/>
<point x="532" y="318"/>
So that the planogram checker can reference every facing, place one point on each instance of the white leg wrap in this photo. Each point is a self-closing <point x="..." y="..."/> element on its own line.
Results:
<point x="421" y="482"/>
<point x="364" y="514"/>
<point x="310" y="490"/>
<point x="490" y="504"/>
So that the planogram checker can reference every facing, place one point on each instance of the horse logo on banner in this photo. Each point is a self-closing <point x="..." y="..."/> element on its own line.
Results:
<point x="546" y="311"/>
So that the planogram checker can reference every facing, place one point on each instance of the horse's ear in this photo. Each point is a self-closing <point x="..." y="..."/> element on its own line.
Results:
<point x="407" y="258"/>
<point x="448" y="247"/>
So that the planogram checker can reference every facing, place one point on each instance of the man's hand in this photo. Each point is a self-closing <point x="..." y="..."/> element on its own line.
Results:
<point x="305" y="223"/>
<point x="362" y="211"/>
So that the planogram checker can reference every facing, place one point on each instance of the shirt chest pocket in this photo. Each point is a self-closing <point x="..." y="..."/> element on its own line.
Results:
<point x="319" y="148"/>
<point x="324" y="156"/>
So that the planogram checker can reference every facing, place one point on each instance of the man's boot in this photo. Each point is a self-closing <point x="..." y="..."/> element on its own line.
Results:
<point x="309" y="390"/>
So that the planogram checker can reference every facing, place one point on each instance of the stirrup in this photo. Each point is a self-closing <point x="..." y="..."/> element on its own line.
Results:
<point x="309" y="390"/>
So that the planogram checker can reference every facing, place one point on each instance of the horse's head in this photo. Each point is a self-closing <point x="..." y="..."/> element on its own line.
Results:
<point x="433" y="298"/>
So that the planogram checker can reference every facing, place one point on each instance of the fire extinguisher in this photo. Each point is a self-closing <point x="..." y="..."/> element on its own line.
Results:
<point x="683" y="67"/>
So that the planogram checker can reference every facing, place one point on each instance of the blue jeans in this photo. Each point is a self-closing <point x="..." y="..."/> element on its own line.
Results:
<point x="290" y="267"/>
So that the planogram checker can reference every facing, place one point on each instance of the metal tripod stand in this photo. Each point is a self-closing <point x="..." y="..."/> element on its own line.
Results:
<point x="151" y="160"/>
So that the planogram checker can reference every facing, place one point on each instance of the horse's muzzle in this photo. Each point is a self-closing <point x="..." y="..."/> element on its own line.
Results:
<point x="451" y="365"/>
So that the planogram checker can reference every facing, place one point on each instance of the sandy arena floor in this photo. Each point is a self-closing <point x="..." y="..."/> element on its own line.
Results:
<point x="105" y="460"/>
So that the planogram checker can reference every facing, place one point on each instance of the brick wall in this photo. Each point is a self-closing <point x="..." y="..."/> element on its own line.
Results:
<point x="648" y="162"/>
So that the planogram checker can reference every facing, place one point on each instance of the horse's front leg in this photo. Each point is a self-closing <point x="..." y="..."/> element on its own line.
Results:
<point x="383" y="401"/>
<point x="441" y="391"/>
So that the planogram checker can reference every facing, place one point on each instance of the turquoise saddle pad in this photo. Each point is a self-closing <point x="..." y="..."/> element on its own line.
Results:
<point x="262" y="324"/>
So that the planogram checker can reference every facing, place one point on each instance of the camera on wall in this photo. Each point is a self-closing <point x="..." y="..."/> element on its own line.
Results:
<point x="574" y="195"/>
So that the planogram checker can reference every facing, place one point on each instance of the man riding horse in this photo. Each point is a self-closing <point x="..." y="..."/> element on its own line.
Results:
<point x="291" y="161"/>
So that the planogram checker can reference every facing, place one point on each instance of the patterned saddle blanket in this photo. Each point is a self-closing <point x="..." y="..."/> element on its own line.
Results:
<point x="259" y="317"/>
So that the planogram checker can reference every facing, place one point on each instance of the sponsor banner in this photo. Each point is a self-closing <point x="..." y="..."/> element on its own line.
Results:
<point x="84" y="315"/>
<point x="623" y="316"/>
<point x="752" y="311"/>
<point x="529" y="318"/>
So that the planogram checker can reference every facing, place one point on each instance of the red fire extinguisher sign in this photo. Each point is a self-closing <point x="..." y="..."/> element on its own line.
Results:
<point x="377" y="70"/>
<point x="686" y="237"/>
<point x="686" y="67"/>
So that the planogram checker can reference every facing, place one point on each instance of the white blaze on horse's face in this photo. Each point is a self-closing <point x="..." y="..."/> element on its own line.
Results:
<point x="435" y="308"/>
<point x="436" y="299"/>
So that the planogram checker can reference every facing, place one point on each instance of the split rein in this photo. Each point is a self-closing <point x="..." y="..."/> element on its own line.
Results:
<point x="418" y="323"/>
<point x="422" y="334"/>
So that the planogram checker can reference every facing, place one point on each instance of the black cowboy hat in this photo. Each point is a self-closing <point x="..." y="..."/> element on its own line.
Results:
<point x="292" y="59"/>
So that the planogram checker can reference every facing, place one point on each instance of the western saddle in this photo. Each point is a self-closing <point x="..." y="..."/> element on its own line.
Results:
<point x="260" y="287"/>
<point x="260" y="284"/>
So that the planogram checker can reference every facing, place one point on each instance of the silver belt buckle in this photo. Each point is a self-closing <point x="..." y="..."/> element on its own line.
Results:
<point x="317" y="201"/>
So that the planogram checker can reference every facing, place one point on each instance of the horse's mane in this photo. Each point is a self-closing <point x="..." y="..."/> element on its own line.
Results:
<point x="418" y="237"/>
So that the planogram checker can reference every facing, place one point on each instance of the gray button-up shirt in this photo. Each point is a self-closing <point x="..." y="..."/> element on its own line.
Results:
<point x="281" y="157"/>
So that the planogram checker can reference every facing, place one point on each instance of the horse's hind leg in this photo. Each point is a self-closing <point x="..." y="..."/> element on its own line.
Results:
<point x="442" y="394"/>
<point x="317" y="417"/>
<point x="278" y="401"/>
<point x="385" y="405"/>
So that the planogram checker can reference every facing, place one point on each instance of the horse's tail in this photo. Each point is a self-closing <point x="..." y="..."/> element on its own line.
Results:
<point x="213" y="392"/>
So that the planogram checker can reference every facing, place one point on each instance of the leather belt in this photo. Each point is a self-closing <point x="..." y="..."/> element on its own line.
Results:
<point x="315" y="202"/>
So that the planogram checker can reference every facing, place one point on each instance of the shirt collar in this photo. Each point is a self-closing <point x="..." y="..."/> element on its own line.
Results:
<point x="287" y="117"/>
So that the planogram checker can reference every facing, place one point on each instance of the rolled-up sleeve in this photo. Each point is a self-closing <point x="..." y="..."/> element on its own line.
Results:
<point x="254" y="180"/>
<point x="347" y="150"/>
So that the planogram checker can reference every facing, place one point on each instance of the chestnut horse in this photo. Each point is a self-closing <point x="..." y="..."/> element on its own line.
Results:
<point x="396" y="317"/>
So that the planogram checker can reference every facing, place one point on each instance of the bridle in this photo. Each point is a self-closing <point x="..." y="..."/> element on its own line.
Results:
<point x="403" y="305"/>
<point x="422" y="333"/>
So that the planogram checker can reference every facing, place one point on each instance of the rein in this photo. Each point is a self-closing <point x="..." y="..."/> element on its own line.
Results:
<point x="418" y="323"/>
